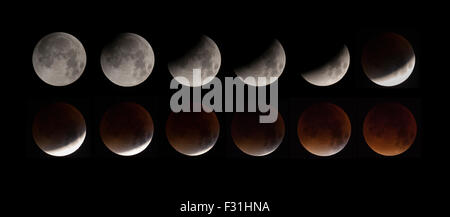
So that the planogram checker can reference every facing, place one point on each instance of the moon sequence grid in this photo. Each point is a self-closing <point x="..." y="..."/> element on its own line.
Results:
<point x="59" y="59"/>
<point x="192" y="128"/>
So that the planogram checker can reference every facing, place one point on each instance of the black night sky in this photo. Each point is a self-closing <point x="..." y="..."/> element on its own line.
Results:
<point x="293" y="181"/>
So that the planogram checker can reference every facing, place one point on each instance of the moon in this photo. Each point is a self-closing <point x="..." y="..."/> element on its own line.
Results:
<point x="324" y="129"/>
<point x="388" y="59"/>
<point x="205" y="55"/>
<point x="331" y="72"/>
<point x="254" y="138"/>
<point x="269" y="65"/>
<point x="126" y="129"/>
<point x="389" y="129"/>
<point x="59" y="59"/>
<point x="192" y="133"/>
<point x="59" y="129"/>
<point x="128" y="60"/>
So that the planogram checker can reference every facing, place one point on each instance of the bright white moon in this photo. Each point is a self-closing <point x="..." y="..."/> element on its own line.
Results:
<point x="59" y="59"/>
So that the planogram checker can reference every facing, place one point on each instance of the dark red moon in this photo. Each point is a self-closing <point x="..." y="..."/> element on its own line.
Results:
<point x="389" y="129"/>
<point x="126" y="129"/>
<point x="59" y="129"/>
<point x="324" y="129"/>
<point x="192" y="133"/>
<point x="254" y="138"/>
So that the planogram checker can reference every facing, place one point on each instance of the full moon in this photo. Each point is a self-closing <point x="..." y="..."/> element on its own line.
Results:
<point x="389" y="129"/>
<point x="269" y="65"/>
<point x="388" y="59"/>
<point x="254" y="138"/>
<point x="192" y="133"/>
<point x="128" y="60"/>
<point x="205" y="56"/>
<point x="331" y="72"/>
<point x="59" y="59"/>
<point x="324" y="129"/>
<point x="126" y="129"/>
<point x="59" y="129"/>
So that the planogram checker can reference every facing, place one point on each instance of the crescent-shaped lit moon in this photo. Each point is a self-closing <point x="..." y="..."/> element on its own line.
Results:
<point x="255" y="138"/>
<point x="388" y="60"/>
<point x="205" y="56"/>
<point x="269" y="65"/>
<point x="59" y="129"/>
<point x="331" y="72"/>
<point x="126" y="129"/>
<point x="192" y="133"/>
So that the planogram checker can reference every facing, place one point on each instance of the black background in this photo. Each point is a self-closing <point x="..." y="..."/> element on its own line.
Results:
<point x="293" y="181"/>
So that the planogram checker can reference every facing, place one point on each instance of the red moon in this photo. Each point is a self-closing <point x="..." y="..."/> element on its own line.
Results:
<point x="254" y="138"/>
<point x="389" y="129"/>
<point x="192" y="133"/>
<point x="324" y="129"/>
<point x="126" y="129"/>
<point x="59" y="129"/>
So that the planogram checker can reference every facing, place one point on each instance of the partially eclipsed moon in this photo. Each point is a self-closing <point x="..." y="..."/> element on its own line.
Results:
<point x="389" y="129"/>
<point x="254" y="138"/>
<point x="204" y="56"/>
<point x="59" y="129"/>
<point x="128" y="60"/>
<point x="269" y="65"/>
<point x="324" y="129"/>
<point x="331" y="72"/>
<point x="126" y="129"/>
<point x="192" y="133"/>
<point x="388" y="60"/>
<point x="59" y="59"/>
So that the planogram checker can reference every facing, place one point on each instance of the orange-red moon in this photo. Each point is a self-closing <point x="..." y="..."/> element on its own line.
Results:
<point x="192" y="133"/>
<point x="389" y="129"/>
<point x="254" y="138"/>
<point x="324" y="129"/>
